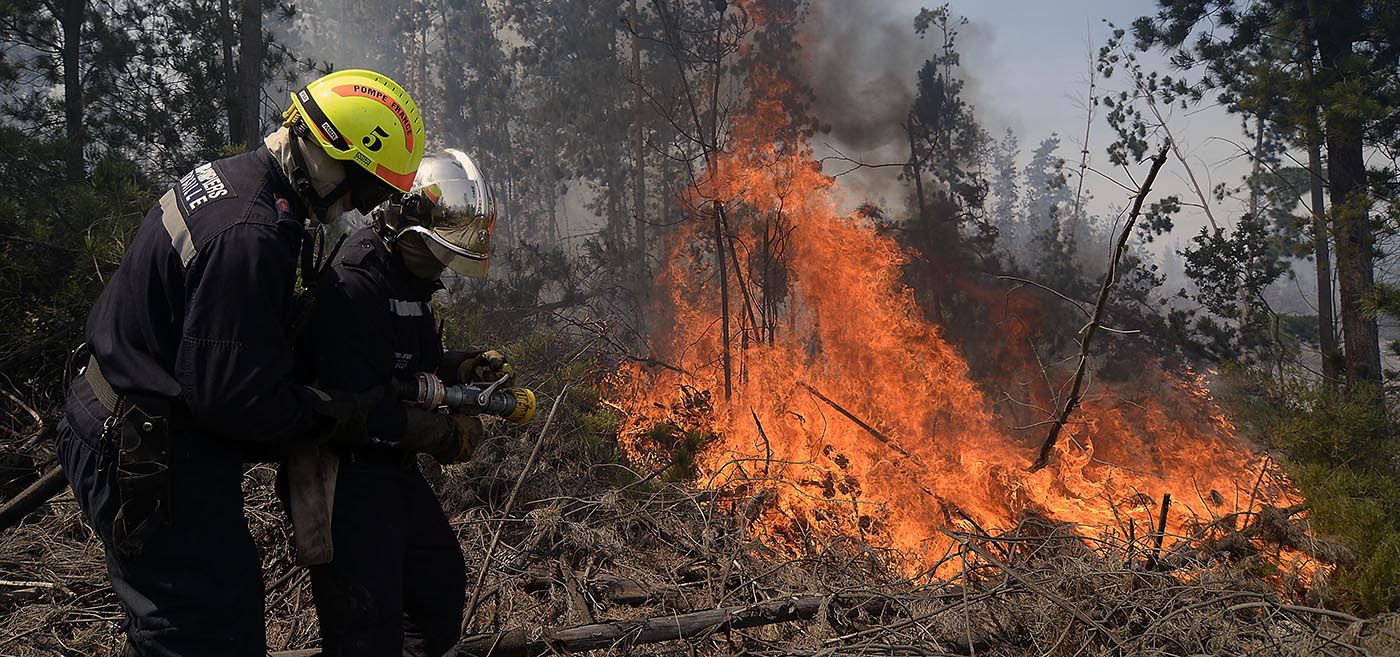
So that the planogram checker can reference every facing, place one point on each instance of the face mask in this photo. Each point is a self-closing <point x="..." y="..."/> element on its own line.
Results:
<point x="417" y="258"/>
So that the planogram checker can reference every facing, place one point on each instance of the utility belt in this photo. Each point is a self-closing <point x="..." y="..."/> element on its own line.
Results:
<point x="138" y="431"/>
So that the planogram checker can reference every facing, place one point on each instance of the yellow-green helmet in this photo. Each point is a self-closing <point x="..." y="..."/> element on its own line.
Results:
<point x="366" y="117"/>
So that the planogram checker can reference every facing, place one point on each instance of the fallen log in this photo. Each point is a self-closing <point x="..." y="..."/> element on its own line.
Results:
<point x="626" y="633"/>
<point x="617" y="590"/>
<point x="32" y="497"/>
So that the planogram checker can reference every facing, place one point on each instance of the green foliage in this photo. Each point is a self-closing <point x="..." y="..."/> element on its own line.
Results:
<point x="599" y="441"/>
<point x="1306" y="73"/>
<point x="683" y="444"/>
<point x="1157" y="218"/>
<point x="1339" y="452"/>
<point x="58" y="243"/>
<point x="1231" y="268"/>
<point x="1362" y="510"/>
<point x="545" y="360"/>
<point x="1302" y="328"/>
<point x="949" y="139"/>
<point x="1383" y="300"/>
<point x="526" y="283"/>
<point x="1231" y="273"/>
<point x="157" y="80"/>
<point x="1134" y="113"/>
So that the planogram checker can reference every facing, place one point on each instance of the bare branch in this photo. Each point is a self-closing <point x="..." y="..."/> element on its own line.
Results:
<point x="1075" y="395"/>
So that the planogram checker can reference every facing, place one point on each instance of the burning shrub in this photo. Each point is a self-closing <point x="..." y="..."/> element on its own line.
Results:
<point x="869" y="421"/>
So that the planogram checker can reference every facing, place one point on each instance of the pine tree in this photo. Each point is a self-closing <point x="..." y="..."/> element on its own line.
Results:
<point x="1299" y="55"/>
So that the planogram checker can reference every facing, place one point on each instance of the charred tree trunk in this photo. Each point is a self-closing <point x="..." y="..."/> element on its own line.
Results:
<point x="1047" y="448"/>
<point x="552" y="231"/>
<point x="914" y="166"/>
<point x="1337" y="30"/>
<point x="639" y="163"/>
<point x="767" y="299"/>
<point x="748" y="321"/>
<point x="668" y="198"/>
<point x="616" y="229"/>
<point x="723" y="298"/>
<point x="455" y="95"/>
<point x="71" y="22"/>
<point x="1242" y="289"/>
<point x="719" y="205"/>
<point x="251" y="52"/>
<point x="1355" y="269"/>
<point x="513" y="229"/>
<point x="1322" y="255"/>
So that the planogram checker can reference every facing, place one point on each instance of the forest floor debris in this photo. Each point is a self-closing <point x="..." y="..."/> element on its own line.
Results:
<point x="595" y="557"/>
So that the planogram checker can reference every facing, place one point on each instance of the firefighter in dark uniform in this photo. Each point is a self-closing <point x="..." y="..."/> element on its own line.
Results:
<point x="397" y="583"/>
<point x="191" y="363"/>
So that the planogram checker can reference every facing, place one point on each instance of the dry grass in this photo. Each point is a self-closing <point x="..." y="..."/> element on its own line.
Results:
<point x="580" y="528"/>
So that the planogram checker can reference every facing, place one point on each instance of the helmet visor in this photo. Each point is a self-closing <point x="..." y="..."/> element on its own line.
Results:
<point x="456" y="205"/>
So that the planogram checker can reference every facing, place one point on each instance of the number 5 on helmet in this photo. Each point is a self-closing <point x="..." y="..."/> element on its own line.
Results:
<point x="367" y="118"/>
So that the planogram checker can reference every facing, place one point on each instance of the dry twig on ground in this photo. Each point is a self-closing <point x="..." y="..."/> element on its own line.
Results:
<point x="590" y="547"/>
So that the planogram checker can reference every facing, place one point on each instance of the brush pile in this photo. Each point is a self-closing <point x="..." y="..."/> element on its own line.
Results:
<point x="595" y="556"/>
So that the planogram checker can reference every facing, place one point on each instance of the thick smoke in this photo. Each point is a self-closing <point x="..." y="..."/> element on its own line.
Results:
<point x="862" y="62"/>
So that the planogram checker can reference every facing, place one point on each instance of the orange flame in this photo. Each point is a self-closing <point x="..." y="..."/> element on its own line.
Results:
<point x="917" y="449"/>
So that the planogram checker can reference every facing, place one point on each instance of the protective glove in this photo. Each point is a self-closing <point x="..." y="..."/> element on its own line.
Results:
<point x="448" y="438"/>
<point x="476" y="367"/>
<point x="341" y="415"/>
<point x="469" y="432"/>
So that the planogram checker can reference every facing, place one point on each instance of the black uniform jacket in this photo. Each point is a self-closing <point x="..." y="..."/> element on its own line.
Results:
<point x="373" y="322"/>
<point x="200" y="308"/>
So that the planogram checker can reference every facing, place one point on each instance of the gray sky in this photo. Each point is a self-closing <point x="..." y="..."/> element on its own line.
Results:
<point x="1034" y="70"/>
<point x="1027" y="63"/>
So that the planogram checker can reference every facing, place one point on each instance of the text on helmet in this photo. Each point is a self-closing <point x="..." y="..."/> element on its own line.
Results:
<point x="347" y="90"/>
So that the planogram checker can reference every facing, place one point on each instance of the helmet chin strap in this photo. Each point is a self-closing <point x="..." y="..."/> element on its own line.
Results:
<point x="388" y="217"/>
<point x="301" y="180"/>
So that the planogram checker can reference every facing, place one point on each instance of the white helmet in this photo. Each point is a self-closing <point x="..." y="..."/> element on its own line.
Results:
<point x="452" y="210"/>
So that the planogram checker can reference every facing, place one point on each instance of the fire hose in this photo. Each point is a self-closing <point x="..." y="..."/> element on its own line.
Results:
<point x="426" y="391"/>
<point x="312" y="469"/>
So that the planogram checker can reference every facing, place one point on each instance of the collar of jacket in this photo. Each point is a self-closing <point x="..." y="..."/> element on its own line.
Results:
<point x="282" y="185"/>
<point x="326" y="173"/>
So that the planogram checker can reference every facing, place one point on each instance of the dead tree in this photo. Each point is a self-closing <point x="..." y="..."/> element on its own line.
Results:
<point x="1076" y="393"/>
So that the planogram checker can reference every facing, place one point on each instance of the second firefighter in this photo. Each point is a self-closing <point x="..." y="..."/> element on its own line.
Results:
<point x="396" y="583"/>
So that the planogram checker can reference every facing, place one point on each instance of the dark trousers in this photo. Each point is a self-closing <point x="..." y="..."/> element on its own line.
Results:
<point x="195" y="589"/>
<point x="397" y="583"/>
